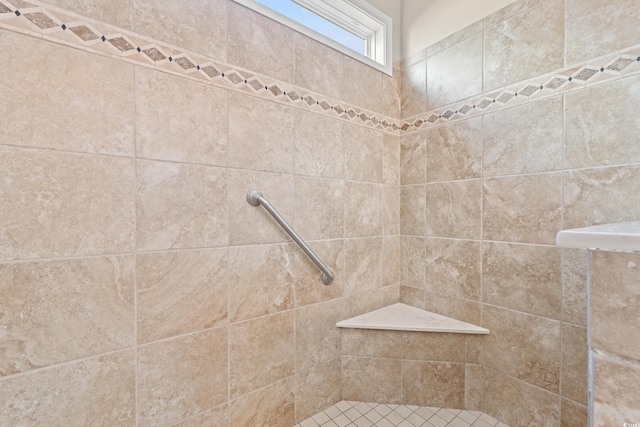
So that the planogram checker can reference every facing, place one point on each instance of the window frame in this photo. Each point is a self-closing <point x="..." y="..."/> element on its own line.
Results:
<point x="355" y="16"/>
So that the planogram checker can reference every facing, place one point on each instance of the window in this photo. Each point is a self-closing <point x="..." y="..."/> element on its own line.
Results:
<point x="353" y="27"/>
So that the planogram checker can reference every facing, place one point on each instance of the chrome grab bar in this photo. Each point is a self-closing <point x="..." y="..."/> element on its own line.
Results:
<point x="255" y="198"/>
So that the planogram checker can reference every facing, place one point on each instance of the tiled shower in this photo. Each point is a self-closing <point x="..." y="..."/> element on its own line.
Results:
<point x="138" y="287"/>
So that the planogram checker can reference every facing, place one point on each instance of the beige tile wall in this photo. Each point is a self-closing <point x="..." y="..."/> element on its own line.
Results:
<point x="501" y="185"/>
<point x="137" y="284"/>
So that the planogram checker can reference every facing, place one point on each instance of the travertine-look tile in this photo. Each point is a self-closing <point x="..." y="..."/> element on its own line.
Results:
<point x="601" y="123"/>
<point x="612" y="404"/>
<point x="524" y="346"/>
<point x="260" y="280"/>
<point x="391" y="86"/>
<point x="253" y="224"/>
<point x="181" y="377"/>
<point x="455" y="38"/>
<point x="574" y="286"/>
<point x="413" y="160"/>
<point x="117" y="13"/>
<point x="453" y="267"/>
<point x="522" y="277"/>
<point x="413" y="89"/>
<point x="180" y="292"/>
<point x="433" y="346"/>
<point x="261" y="352"/>
<point x="59" y="204"/>
<point x="413" y="261"/>
<point x="319" y="208"/>
<point x="200" y="25"/>
<point x="510" y="10"/>
<point x="412" y="296"/>
<point x="447" y="70"/>
<point x="601" y="196"/>
<point x="363" y="153"/>
<point x="573" y="414"/>
<point x="588" y="21"/>
<point x="525" y="209"/>
<point x="180" y="120"/>
<point x="391" y="159"/>
<point x="57" y="311"/>
<point x="318" y="67"/>
<point x="260" y="44"/>
<point x="524" y="45"/>
<point x="317" y="388"/>
<point x="454" y="307"/>
<point x="615" y="295"/>
<point x="101" y="388"/>
<point x="524" y="139"/>
<point x="371" y="379"/>
<point x="363" y="265"/>
<point x="370" y="300"/>
<point x="309" y="288"/>
<point x="85" y="106"/>
<point x="216" y="417"/>
<point x="317" y="336"/>
<point x="362" y="210"/>
<point x="473" y="387"/>
<point x="319" y="147"/>
<point x="367" y="93"/>
<point x="455" y="151"/>
<point x="391" y="254"/>
<point x="261" y="135"/>
<point x="371" y="343"/>
<point x="181" y="206"/>
<point x="391" y="206"/>
<point x="433" y="384"/>
<point x="267" y="407"/>
<point x="453" y="209"/>
<point x="504" y="396"/>
<point x="413" y="210"/>
<point x="575" y="371"/>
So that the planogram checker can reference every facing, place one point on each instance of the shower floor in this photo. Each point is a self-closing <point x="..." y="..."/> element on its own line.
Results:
<point x="363" y="414"/>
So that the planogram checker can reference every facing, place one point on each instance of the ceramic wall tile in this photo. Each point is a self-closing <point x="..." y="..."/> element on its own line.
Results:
<point x="392" y="255"/>
<point x="318" y="67"/>
<point x="454" y="307"/>
<point x="86" y="106"/>
<point x="455" y="151"/>
<point x="413" y="89"/>
<point x="260" y="44"/>
<point x="169" y="128"/>
<point x="368" y="92"/>
<point x="253" y="224"/>
<point x="200" y="26"/>
<point x="523" y="277"/>
<point x="524" y="346"/>
<point x="269" y="406"/>
<point x="117" y="13"/>
<point x="101" y="388"/>
<point x="473" y="387"/>
<point x="180" y="292"/>
<point x="611" y="405"/>
<point x="309" y="288"/>
<point x="164" y="192"/>
<point x="319" y="147"/>
<point x="433" y="346"/>
<point x="446" y="69"/>
<point x="524" y="45"/>
<point x="601" y="123"/>
<point x="363" y="153"/>
<point x="371" y="379"/>
<point x="59" y="204"/>
<point x="319" y="209"/>
<point x="523" y="139"/>
<point x="453" y="209"/>
<point x="575" y="370"/>
<point x="413" y="261"/>
<point x="215" y="417"/>
<point x="615" y="281"/>
<point x="181" y="377"/>
<point x="455" y="38"/>
<point x="391" y="86"/>
<point x="261" y="351"/>
<point x="413" y="206"/>
<point x="436" y="384"/>
<point x="363" y="270"/>
<point x="573" y="414"/>
<point x="413" y="159"/>
<point x="317" y="389"/>
<point x="454" y="267"/>
<point x="574" y="286"/>
<point x="372" y="343"/>
<point x="525" y="209"/>
<point x="412" y="296"/>
<point x="261" y="135"/>
<point x="587" y="21"/>
<point x="391" y="158"/>
<point x="391" y="205"/>
<point x="362" y="209"/>
<point x="97" y="294"/>
<point x="317" y="336"/>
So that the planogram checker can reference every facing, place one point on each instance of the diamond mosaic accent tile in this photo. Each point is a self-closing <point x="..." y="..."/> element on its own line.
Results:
<point x="555" y="83"/>
<point x="620" y="64"/>
<point x="293" y="95"/>
<point x="256" y="84"/>
<point x="529" y="90"/>
<point x="41" y="20"/>
<point x="505" y="97"/>
<point x="234" y="77"/>
<point x="210" y="71"/>
<point x="84" y="33"/>
<point x="485" y="103"/>
<point x="585" y="74"/>
<point x="325" y="105"/>
<point x="363" y="117"/>
<point x="339" y="109"/>
<point x="121" y="44"/>
<point x="4" y="9"/>
<point x="433" y="118"/>
<point x="365" y="414"/>
<point x="309" y="100"/>
<point x="185" y="63"/>
<point x="155" y="55"/>
<point x="465" y="109"/>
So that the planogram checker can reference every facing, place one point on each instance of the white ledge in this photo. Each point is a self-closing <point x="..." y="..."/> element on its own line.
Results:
<point x="402" y="317"/>
<point x="623" y="236"/>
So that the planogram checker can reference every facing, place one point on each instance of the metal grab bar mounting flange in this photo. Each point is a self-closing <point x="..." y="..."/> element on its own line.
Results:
<point x="255" y="198"/>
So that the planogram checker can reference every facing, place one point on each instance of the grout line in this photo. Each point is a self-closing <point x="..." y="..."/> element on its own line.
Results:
<point x="135" y="246"/>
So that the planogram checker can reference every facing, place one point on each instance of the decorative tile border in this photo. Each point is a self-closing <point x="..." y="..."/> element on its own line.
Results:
<point x="53" y="24"/>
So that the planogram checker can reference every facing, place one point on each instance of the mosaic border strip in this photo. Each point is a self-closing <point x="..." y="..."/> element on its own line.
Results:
<point x="53" y="24"/>
<point x="50" y="23"/>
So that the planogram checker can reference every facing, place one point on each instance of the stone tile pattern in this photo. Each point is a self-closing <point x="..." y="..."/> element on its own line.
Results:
<point x="348" y="413"/>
